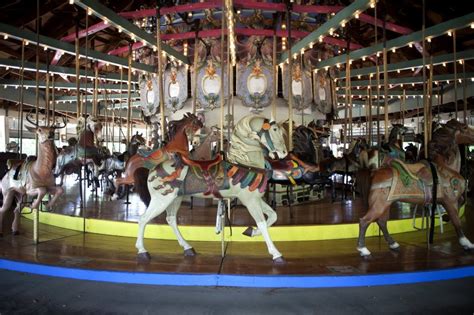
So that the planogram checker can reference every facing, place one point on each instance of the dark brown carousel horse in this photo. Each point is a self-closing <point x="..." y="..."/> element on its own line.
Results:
<point x="178" y="130"/>
<point x="437" y="181"/>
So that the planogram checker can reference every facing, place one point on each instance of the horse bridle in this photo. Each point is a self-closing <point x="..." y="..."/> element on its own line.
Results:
<point x="265" y="131"/>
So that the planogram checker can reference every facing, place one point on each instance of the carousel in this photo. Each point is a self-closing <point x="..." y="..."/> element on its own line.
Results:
<point x="237" y="143"/>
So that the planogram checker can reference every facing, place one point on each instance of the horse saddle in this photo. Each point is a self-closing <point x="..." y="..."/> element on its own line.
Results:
<point x="417" y="171"/>
<point x="204" y="165"/>
<point x="282" y="165"/>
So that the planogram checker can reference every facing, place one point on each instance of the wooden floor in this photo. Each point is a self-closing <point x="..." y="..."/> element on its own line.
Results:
<point x="62" y="247"/>
<point x="67" y="248"/>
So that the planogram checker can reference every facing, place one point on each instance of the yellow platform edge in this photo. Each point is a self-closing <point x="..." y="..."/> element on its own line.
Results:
<point x="207" y="233"/>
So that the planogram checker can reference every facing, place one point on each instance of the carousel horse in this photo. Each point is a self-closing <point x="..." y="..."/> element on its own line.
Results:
<point x="114" y="164"/>
<point x="85" y="152"/>
<point x="148" y="160"/>
<point x="373" y="158"/>
<point x="434" y="181"/>
<point x="206" y="150"/>
<point x="301" y="167"/>
<point x="242" y="175"/>
<point x="32" y="177"/>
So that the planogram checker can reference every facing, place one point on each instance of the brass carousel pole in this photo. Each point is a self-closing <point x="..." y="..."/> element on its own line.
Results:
<point x="20" y="112"/>
<point x="195" y="67"/>
<point x="129" y="94"/>
<point x="425" y="103"/>
<point x="348" y="107"/>
<point x="120" y="108"/>
<point x="430" y="99"/>
<point x="455" y="76"/>
<point x="36" y="211"/>
<point x="78" y="71"/>
<point x="377" y="80"/>
<point x="289" y="8"/>
<point x="369" y="93"/>
<point x="160" y="72"/>
<point x="385" y="80"/>
<point x="222" y="97"/>
<point x="464" y="90"/>
<point x="275" y="75"/>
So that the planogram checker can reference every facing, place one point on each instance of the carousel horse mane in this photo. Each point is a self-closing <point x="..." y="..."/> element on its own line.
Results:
<point x="303" y="146"/>
<point x="244" y="138"/>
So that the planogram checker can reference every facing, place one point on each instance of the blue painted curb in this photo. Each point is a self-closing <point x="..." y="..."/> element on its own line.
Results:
<point x="254" y="281"/>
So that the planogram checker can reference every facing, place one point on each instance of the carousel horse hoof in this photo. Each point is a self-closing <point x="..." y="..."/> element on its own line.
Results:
<point x="394" y="246"/>
<point x="363" y="251"/>
<point x="143" y="257"/>
<point x="466" y="244"/>
<point x="16" y="233"/>
<point x="248" y="232"/>
<point x="190" y="252"/>
<point x="279" y="261"/>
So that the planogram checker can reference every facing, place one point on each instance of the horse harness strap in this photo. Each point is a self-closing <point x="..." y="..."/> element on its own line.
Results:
<point x="265" y="132"/>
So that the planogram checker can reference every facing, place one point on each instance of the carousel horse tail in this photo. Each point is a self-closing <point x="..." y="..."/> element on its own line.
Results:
<point x="364" y="181"/>
<point x="141" y="186"/>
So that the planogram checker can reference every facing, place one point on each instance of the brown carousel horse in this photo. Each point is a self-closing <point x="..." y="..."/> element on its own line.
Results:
<point x="434" y="182"/>
<point x="178" y="130"/>
<point x="32" y="177"/>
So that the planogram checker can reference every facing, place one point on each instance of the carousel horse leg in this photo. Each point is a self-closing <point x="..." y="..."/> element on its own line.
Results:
<point x="16" y="217"/>
<point x="254" y="206"/>
<point x="378" y="205"/>
<point x="171" y="213"/>
<point x="40" y="192"/>
<point x="382" y="223"/>
<point x="453" y="215"/>
<point x="8" y="198"/>
<point x="156" y="207"/>
<point x="56" y="191"/>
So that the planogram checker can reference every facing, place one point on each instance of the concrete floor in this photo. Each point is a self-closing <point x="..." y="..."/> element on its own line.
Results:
<point x="22" y="293"/>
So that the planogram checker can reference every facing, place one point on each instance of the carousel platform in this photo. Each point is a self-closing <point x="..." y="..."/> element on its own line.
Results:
<point x="332" y="262"/>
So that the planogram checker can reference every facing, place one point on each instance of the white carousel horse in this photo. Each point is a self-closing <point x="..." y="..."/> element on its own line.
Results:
<point x="242" y="176"/>
<point x="34" y="177"/>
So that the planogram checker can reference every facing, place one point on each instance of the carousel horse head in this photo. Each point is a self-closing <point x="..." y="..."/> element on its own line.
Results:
<point x="45" y="133"/>
<point x="463" y="133"/>
<point x="94" y="125"/>
<point x="190" y="122"/>
<point x="137" y="139"/>
<point x="252" y="132"/>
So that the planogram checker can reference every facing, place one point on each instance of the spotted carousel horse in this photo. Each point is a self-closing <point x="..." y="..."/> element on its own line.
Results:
<point x="206" y="150"/>
<point x="32" y="177"/>
<point x="148" y="160"/>
<point x="373" y="158"/>
<point x="114" y="164"/>
<point x="434" y="181"/>
<point x="242" y="175"/>
<point x="85" y="152"/>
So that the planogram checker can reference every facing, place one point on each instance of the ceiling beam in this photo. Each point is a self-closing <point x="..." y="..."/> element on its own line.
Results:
<point x="100" y="97"/>
<point x="332" y="24"/>
<point x="131" y="29"/>
<point x="62" y="85"/>
<point x="55" y="44"/>
<point x="401" y="41"/>
<point x="409" y="80"/>
<point x="405" y="65"/>
<point x="31" y="66"/>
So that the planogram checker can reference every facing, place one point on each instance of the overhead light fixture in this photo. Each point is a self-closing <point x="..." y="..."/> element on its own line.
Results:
<point x="450" y="33"/>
